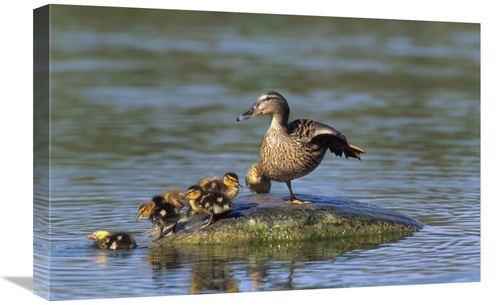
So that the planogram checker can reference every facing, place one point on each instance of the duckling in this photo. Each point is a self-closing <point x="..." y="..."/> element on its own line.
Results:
<point x="193" y="194"/>
<point x="255" y="181"/>
<point x="145" y="209"/>
<point x="176" y="197"/>
<point x="207" y="202"/>
<point x="106" y="240"/>
<point x="204" y="181"/>
<point x="161" y="213"/>
<point x="229" y="185"/>
<point x="292" y="150"/>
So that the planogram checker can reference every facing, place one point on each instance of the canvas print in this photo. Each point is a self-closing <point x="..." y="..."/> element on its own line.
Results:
<point x="191" y="152"/>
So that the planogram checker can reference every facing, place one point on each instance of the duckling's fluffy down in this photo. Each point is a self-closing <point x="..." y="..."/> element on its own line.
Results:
<point x="104" y="239"/>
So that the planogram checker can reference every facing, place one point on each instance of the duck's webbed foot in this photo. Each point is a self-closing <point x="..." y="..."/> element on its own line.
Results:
<point x="297" y="201"/>
<point x="158" y="238"/>
<point x="293" y="199"/>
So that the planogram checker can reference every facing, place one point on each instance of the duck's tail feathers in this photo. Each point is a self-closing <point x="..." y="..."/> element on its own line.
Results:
<point x="353" y="151"/>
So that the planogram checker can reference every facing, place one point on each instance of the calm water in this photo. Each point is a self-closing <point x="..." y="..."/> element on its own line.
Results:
<point x="146" y="100"/>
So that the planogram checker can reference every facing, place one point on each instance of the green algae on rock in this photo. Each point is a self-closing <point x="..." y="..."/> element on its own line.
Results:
<point x="265" y="218"/>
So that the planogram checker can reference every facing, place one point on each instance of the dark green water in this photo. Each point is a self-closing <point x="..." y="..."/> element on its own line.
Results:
<point x="146" y="100"/>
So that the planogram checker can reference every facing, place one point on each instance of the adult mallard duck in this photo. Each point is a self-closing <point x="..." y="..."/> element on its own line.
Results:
<point x="292" y="150"/>
<point x="229" y="185"/>
<point x="202" y="201"/>
<point x="106" y="240"/>
<point x="255" y="181"/>
<point x="161" y="213"/>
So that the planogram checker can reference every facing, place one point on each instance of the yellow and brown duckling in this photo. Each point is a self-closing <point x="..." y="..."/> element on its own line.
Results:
<point x="161" y="213"/>
<point x="255" y="181"/>
<point x="176" y="197"/>
<point x="202" y="201"/>
<point x="106" y="240"/>
<point x="145" y="209"/>
<point x="204" y="181"/>
<point x="229" y="185"/>
<point x="292" y="150"/>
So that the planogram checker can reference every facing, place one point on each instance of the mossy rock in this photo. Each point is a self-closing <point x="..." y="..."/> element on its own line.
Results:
<point x="266" y="218"/>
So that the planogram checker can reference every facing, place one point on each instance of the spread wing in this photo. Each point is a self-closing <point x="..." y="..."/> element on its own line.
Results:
<point x="309" y="131"/>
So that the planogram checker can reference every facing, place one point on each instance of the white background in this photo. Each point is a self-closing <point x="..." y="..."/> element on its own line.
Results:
<point x="17" y="149"/>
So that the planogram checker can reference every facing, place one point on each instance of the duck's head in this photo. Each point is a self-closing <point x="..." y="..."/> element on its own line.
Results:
<point x="231" y="179"/>
<point x="99" y="234"/>
<point x="145" y="209"/>
<point x="194" y="192"/>
<point x="268" y="102"/>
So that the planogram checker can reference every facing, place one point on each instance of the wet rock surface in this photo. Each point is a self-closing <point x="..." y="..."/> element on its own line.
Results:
<point x="266" y="218"/>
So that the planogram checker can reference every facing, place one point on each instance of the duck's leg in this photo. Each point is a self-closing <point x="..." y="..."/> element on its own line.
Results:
<point x="293" y="199"/>
<point x="173" y="227"/>
<point x="209" y="222"/>
<point x="189" y="212"/>
<point x="161" y="234"/>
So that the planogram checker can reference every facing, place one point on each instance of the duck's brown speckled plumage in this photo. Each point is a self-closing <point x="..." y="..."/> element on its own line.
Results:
<point x="292" y="150"/>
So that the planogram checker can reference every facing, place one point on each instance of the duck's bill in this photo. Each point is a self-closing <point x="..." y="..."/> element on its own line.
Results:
<point x="244" y="116"/>
<point x="250" y="113"/>
<point x="91" y="236"/>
